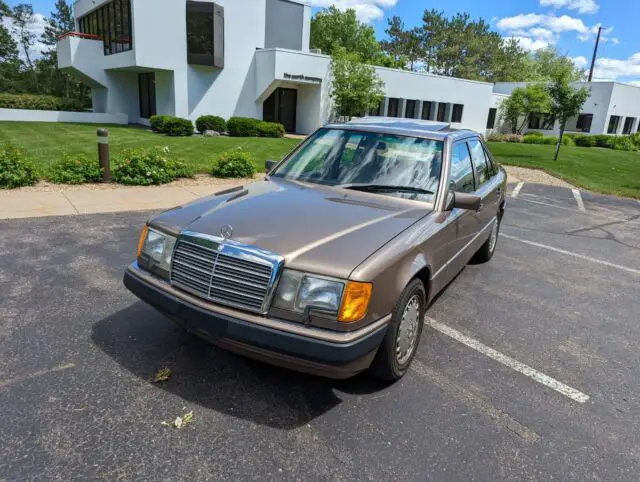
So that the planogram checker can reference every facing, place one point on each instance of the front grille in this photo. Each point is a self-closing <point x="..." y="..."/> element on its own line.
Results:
<point x="219" y="277"/>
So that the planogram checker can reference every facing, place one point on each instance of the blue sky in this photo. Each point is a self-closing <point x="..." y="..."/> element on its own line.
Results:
<point x="569" y="25"/>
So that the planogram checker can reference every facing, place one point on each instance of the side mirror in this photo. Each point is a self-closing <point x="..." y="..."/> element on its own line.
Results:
<point x="269" y="165"/>
<point x="462" y="200"/>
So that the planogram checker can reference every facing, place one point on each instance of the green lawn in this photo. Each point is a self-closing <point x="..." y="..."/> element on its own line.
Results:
<point x="592" y="168"/>
<point x="45" y="143"/>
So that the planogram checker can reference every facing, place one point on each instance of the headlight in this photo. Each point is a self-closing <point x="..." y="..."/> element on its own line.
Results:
<point x="156" y="248"/>
<point x="297" y="291"/>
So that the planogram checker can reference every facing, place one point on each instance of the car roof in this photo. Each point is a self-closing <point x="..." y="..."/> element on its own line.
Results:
<point x="406" y="127"/>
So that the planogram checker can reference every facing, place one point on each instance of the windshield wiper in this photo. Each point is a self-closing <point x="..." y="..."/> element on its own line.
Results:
<point x="384" y="188"/>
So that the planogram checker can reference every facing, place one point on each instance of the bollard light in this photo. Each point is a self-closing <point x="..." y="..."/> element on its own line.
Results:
<point x="103" y="154"/>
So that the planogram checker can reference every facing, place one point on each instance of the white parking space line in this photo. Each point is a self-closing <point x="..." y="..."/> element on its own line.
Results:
<point x="578" y="197"/>
<point x="39" y="373"/>
<point x="570" y="253"/>
<point x="532" y="373"/>
<point x="586" y="213"/>
<point x="516" y="190"/>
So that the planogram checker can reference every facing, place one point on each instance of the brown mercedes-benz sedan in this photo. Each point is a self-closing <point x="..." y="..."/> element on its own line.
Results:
<point x="328" y="265"/>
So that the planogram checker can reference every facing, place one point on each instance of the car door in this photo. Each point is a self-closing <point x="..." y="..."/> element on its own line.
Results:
<point x="461" y="179"/>
<point x="488" y="188"/>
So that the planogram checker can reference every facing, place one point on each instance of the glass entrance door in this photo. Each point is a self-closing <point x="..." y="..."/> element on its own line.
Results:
<point x="281" y="107"/>
<point x="147" y="94"/>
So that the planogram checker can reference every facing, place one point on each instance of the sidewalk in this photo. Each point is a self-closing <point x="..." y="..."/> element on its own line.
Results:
<point x="16" y="204"/>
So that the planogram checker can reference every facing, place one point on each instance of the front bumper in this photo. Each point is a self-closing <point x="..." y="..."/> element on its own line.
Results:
<point x="311" y="350"/>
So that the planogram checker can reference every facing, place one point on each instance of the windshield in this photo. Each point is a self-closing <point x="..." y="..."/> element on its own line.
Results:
<point x="395" y="165"/>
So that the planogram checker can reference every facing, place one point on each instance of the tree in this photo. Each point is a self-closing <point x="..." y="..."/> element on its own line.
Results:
<point x="58" y="83"/>
<point x="566" y="101"/>
<point x="523" y="103"/>
<point x="548" y="64"/>
<point x="355" y="87"/>
<point x="22" y="20"/>
<point x="59" y="22"/>
<point x="404" y="46"/>
<point x="332" y="28"/>
<point x="468" y="49"/>
<point x="8" y="46"/>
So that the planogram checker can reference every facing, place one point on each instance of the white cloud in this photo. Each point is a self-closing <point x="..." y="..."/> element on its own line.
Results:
<point x="582" y="6"/>
<point x="635" y="82"/>
<point x="612" y="69"/>
<point x="366" y="10"/>
<point x="530" y="44"/>
<point x="37" y="28"/>
<point x="548" y="28"/>
<point x="581" y="62"/>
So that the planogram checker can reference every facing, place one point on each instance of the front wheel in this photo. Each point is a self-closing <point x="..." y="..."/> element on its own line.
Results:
<point x="403" y="336"/>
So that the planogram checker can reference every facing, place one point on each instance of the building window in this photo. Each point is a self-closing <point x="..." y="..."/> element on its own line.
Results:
<point x="614" y="122"/>
<point x="491" y="121"/>
<point x="410" y="110"/>
<point x="456" y="115"/>
<point x="442" y="111"/>
<point x="112" y="23"/>
<point x="584" y="122"/>
<point x="426" y="110"/>
<point x="392" y="110"/>
<point x="205" y="34"/>
<point x="628" y="125"/>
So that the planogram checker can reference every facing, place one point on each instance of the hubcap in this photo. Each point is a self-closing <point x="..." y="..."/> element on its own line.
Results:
<point x="408" y="330"/>
<point x="494" y="237"/>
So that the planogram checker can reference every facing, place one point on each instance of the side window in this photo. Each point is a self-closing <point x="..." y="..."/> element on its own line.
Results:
<point x="479" y="161"/>
<point x="493" y="169"/>
<point x="461" y="168"/>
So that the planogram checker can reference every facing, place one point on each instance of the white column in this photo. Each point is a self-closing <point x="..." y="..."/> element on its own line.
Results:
<point x="402" y="106"/>
<point x="419" y="109"/>
<point x="385" y="106"/>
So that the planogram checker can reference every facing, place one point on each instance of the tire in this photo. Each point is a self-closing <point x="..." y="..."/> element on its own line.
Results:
<point x="486" y="251"/>
<point x="388" y="363"/>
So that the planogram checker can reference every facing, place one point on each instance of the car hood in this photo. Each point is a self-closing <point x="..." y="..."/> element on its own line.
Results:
<point x="316" y="228"/>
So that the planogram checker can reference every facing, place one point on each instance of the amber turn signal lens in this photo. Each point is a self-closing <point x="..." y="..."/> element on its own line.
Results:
<point x="355" y="301"/>
<point x="143" y="237"/>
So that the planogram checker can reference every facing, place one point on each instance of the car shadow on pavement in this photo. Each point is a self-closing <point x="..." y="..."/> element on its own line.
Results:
<point x="143" y="341"/>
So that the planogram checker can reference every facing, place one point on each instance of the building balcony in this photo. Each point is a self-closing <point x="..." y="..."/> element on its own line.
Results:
<point x="84" y="56"/>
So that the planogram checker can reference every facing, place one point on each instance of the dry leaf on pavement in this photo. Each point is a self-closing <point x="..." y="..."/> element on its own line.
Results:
<point x="162" y="375"/>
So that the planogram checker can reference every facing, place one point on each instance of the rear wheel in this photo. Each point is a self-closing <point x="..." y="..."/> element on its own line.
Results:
<point x="403" y="336"/>
<point x="485" y="253"/>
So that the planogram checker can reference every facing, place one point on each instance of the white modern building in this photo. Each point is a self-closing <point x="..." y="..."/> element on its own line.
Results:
<point x="234" y="58"/>
<point x="252" y="58"/>
<point x="612" y="108"/>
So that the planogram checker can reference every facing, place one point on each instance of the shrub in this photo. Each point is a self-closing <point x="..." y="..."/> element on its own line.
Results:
<point x="568" y="140"/>
<point x="242" y="127"/>
<point x="635" y="139"/>
<point x="515" y="138"/>
<point x="235" y="163"/>
<point x="495" y="137"/>
<point x="39" y="102"/>
<point x="534" y="133"/>
<point x="270" y="129"/>
<point x="623" y="143"/>
<point x="603" y="140"/>
<point x="585" y="141"/>
<point x="211" y="123"/>
<point x="15" y="169"/>
<point x="177" y="127"/>
<point x="142" y="167"/>
<point x="75" y="169"/>
<point x="157" y="122"/>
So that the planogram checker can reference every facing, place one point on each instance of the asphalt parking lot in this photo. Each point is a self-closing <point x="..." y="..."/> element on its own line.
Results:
<point x="529" y="368"/>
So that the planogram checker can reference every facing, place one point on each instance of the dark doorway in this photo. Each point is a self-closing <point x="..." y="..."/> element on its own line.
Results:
<point x="392" y="111"/>
<point x="147" y="94"/>
<point x="281" y="107"/>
